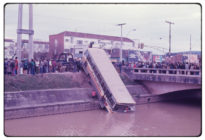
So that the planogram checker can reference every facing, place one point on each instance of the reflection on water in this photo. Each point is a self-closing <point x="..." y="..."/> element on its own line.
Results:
<point x="170" y="118"/>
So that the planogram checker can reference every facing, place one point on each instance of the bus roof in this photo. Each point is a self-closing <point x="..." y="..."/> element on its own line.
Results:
<point x="110" y="76"/>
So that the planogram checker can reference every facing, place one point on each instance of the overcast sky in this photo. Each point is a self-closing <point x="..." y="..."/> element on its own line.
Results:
<point x="147" y="19"/>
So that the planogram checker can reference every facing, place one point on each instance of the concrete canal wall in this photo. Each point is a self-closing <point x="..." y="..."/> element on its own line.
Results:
<point x="32" y="103"/>
<point x="46" y="102"/>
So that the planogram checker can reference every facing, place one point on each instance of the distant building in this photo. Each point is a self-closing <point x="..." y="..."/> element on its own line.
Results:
<point x="39" y="46"/>
<point x="10" y="48"/>
<point x="186" y="56"/>
<point x="76" y="42"/>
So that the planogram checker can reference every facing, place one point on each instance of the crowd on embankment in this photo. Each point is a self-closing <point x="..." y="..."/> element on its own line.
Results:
<point x="11" y="66"/>
<point x="35" y="66"/>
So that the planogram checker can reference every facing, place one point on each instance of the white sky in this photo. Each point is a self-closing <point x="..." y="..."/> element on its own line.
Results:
<point x="147" y="19"/>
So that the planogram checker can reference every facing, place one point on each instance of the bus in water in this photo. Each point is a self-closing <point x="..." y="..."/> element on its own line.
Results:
<point x="112" y="92"/>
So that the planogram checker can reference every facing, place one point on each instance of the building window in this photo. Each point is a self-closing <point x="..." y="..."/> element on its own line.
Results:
<point x="56" y="42"/>
<point x="66" y="40"/>
<point x="71" y="39"/>
<point x="79" y="42"/>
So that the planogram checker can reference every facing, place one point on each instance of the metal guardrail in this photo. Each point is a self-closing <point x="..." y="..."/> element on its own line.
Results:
<point x="175" y="72"/>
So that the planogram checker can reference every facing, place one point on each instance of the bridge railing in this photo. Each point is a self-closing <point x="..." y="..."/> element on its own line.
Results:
<point x="165" y="71"/>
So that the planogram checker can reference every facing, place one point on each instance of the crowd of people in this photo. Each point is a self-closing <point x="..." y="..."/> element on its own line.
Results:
<point x="165" y="65"/>
<point x="11" y="66"/>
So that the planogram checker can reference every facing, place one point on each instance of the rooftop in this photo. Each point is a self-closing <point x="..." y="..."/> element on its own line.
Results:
<point x="8" y="40"/>
<point x="95" y="36"/>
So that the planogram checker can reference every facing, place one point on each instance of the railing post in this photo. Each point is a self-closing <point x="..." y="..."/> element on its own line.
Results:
<point x="188" y="72"/>
<point x="139" y="70"/>
<point x="199" y="72"/>
<point x="133" y="69"/>
<point x="150" y="71"/>
<point x="183" y="72"/>
<point x="157" y="71"/>
<point x="178" y="72"/>
<point x="167" y="71"/>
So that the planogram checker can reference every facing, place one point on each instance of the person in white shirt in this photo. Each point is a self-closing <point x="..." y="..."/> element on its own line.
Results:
<point x="37" y="66"/>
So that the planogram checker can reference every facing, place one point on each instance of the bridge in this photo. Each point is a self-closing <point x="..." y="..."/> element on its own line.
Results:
<point x="160" y="81"/>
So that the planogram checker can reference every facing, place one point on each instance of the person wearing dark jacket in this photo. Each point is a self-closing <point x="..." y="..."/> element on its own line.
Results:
<point x="33" y="67"/>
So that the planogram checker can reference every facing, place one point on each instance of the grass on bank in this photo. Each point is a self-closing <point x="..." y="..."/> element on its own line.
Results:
<point x="45" y="81"/>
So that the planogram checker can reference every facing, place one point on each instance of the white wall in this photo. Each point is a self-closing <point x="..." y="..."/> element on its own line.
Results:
<point x="9" y="49"/>
<point x="69" y="42"/>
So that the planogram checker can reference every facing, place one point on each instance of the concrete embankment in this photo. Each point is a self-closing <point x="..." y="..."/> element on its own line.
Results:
<point x="62" y="93"/>
<point x="29" y="103"/>
<point x="32" y="103"/>
<point x="46" y="102"/>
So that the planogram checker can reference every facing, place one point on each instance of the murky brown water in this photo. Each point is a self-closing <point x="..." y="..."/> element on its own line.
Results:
<point x="171" y="118"/>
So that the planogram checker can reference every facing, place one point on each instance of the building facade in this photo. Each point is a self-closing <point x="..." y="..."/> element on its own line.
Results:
<point x="77" y="43"/>
<point x="10" y="48"/>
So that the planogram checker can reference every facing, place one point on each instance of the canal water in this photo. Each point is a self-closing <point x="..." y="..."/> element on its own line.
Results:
<point x="168" y="118"/>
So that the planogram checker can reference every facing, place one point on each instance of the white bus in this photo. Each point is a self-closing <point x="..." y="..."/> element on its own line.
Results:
<point x="112" y="92"/>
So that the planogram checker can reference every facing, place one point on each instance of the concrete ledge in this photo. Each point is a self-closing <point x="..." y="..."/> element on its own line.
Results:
<point x="46" y="102"/>
<point x="49" y="109"/>
<point x="151" y="98"/>
<point x="167" y="78"/>
<point x="56" y="101"/>
<point x="36" y="97"/>
<point x="33" y="103"/>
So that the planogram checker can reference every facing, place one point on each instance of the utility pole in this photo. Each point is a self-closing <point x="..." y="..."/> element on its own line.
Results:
<point x="190" y="43"/>
<point x="30" y="34"/>
<point x="19" y="37"/>
<point x="170" y="36"/>
<point x="190" y="49"/>
<point x="121" y="40"/>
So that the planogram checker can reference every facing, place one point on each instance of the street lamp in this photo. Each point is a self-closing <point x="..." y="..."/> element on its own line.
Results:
<point x="170" y="23"/>
<point x="121" y="41"/>
<point x="131" y="31"/>
<point x="138" y="42"/>
<point x="132" y="44"/>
